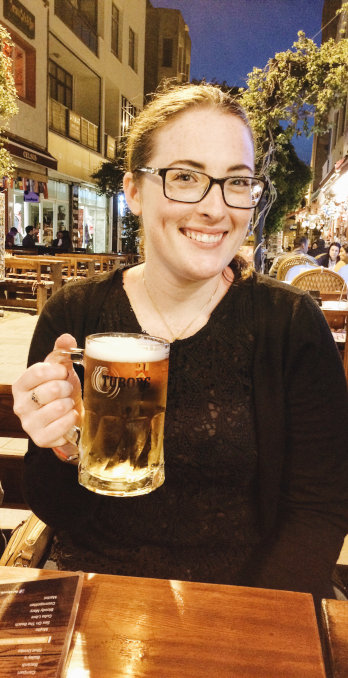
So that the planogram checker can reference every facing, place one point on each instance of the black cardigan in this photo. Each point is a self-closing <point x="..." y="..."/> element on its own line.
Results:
<point x="301" y="410"/>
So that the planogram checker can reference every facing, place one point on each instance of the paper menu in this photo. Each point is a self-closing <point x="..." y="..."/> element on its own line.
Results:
<point x="37" y="618"/>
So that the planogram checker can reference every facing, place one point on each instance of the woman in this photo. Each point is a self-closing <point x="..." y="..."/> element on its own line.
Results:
<point x="256" y="488"/>
<point x="343" y="258"/>
<point x="331" y="259"/>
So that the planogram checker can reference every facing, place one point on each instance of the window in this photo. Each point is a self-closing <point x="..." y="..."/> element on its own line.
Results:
<point x="23" y="67"/>
<point x="128" y="112"/>
<point x="115" y="30"/>
<point x="132" y="60"/>
<point x="60" y="84"/>
<point x="81" y="17"/>
<point x="335" y="129"/>
<point x="19" y="70"/>
<point x="343" y="119"/>
<point x="167" y="55"/>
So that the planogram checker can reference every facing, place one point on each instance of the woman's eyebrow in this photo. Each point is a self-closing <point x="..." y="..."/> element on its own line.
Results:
<point x="201" y="166"/>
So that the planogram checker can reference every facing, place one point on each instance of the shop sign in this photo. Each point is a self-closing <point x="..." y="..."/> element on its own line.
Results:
<point x="74" y="124"/>
<point x="31" y="155"/>
<point x="75" y="206"/>
<point x="20" y="17"/>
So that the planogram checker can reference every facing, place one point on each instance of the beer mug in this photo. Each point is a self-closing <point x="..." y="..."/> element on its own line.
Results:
<point x="125" y="392"/>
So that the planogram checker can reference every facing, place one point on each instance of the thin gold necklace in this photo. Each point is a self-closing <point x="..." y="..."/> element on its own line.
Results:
<point x="178" y="336"/>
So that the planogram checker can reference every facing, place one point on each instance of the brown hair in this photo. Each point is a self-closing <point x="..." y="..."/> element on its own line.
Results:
<point x="168" y="103"/>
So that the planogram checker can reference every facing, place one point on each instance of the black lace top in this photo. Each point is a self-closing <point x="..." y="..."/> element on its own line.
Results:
<point x="201" y="524"/>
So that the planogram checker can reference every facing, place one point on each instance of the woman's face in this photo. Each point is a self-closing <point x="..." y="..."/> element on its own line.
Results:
<point x="334" y="252"/>
<point x="344" y="254"/>
<point x="194" y="241"/>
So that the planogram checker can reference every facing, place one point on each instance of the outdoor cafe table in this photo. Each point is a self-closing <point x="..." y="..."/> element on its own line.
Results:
<point x="336" y="314"/>
<point x="335" y="623"/>
<point x="154" y="628"/>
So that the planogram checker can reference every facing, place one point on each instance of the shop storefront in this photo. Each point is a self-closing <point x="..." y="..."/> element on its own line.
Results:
<point x="92" y="227"/>
<point x="48" y="211"/>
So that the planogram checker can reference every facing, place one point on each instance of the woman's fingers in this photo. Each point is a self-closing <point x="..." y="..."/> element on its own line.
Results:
<point x="48" y="392"/>
<point x="47" y="426"/>
<point x="37" y="379"/>
<point x="47" y="398"/>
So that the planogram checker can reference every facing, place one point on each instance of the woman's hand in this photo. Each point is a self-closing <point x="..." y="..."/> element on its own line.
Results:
<point x="47" y="399"/>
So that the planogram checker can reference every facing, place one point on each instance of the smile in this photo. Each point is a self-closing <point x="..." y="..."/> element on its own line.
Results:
<point x="203" y="237"/>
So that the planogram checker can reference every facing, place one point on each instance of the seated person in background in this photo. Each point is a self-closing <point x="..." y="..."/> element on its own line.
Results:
<point x="300" y="247"/>
<point x="29" y="239"/>
<point x="10" y="237"/>
<point x="58" y="241"/>
<point x="343" y="260"/>
<point x="317" y="248"/>
<point x="62" y="241"/>
<point x="332" y="257"/>
<point x="256" y="488"/>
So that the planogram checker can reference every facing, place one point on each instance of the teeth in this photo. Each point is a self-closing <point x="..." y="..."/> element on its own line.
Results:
<point x="203" y="237"/>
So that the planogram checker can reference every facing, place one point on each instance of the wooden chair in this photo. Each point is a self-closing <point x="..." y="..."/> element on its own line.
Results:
<point x="321" y="279"/>
<point x="11" y="462"/>
<point x="289" y="262"/>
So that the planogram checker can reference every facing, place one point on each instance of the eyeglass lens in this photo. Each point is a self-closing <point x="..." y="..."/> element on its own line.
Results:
<point x="190" y="186"/>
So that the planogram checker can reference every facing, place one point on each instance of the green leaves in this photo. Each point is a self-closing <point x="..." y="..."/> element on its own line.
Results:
<point x="8" y="96"/>
<point x="299" y="85"/>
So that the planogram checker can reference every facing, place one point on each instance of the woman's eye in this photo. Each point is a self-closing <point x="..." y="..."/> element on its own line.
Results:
<point x="184" y="177"/>
<point x="240" y="181"/>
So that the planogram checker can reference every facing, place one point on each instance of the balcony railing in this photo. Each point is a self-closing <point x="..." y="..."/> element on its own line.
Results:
<point x="70" y="124"/>
<point x="78" y="23"/>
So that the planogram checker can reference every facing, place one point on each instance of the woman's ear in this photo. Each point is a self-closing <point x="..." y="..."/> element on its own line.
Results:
<point x="132" y="193"/>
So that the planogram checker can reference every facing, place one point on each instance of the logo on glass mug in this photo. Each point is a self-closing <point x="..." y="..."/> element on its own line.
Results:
<point x="110" y="384"/>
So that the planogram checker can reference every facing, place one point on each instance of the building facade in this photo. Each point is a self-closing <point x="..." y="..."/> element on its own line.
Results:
<point x="79" y="72"/>
<point x="167" y="47"/>
<point x="328" y="198"/>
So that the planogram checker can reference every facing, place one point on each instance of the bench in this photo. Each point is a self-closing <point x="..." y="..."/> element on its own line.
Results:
<point x="24" y="293"/>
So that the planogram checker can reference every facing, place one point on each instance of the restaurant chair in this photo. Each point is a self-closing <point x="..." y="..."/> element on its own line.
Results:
<point x="294" y="271"/>
<point x="343" y="272"/>
<point x="289" y="262"/>
<point x="321" y="279"/>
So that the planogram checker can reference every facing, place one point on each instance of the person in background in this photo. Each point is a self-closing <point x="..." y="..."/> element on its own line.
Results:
<point x="332" y="257"/>
<point x="343" y="261"/>
<point x="256" y="487"/>
<point x="29" y="239"/>
<point x="58" y="241"/>
<point x="10" y="237"/>
<point x="317" y="248"/>
<point x="300" y="247"/>
<point x="62" y="241"/>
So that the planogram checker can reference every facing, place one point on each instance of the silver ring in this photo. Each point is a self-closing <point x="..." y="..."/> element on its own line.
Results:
<point x="35" y="399"/>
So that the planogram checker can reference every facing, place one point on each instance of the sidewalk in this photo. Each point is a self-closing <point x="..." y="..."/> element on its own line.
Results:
<point x="16" y="330"/>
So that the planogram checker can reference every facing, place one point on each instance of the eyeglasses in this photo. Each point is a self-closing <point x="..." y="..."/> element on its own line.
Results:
<point x="186" y="185"/>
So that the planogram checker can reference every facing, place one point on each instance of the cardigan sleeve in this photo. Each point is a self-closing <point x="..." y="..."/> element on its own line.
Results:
<point x="310" y="463"/>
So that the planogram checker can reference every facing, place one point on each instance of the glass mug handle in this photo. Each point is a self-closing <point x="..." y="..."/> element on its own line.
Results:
<point x="72" y="437"/>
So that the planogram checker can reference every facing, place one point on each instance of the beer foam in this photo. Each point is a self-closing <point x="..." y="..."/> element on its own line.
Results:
<point x="126" y="349"/>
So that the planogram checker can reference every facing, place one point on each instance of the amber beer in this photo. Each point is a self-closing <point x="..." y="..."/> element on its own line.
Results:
<point x="125" y="392"/>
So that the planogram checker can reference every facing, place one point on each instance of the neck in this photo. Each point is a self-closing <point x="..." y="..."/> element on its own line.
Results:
<point x="182" y="306"/>
<point x="172" y="290"/>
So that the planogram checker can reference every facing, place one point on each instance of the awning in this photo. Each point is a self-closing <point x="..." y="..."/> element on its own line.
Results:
<point x="31" y="154"/>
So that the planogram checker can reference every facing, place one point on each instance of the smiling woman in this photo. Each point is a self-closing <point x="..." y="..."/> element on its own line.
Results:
<point x="256" y="483"/>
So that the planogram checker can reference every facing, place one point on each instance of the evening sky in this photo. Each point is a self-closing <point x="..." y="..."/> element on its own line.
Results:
<point x="230" y="37"/>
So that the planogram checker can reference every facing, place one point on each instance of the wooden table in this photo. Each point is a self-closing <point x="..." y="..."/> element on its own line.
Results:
<point x="336" y="314"/>
<point x="335" y="623"/>
<point x="153" y="628"/>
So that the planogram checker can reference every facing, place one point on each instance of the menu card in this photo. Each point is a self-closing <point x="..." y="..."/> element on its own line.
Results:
<point x="37" y="618"/>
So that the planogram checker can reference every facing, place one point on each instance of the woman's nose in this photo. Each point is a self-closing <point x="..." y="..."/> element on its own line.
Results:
<point x="213" y="203"/>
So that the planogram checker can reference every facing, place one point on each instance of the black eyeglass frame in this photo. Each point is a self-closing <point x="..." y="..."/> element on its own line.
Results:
<point x="221" y="182"/>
